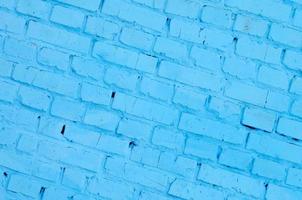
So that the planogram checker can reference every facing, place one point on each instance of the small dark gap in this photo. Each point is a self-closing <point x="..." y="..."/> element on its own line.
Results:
<point x="5" y="174"/>
<point x="132" y="144"/>
<point x="266" y="185"/>
<point x="250" y="127"/>
<point x="39" y="117"/>
<point x="235" y="39"/>
<point x="199" y="164"/>
<point x="112" y="95"/>
<point x="42" y="191"/>
<point x="63" y="129"/>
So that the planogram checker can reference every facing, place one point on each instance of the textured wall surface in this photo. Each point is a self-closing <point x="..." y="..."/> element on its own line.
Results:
<point x="150" y="99"/>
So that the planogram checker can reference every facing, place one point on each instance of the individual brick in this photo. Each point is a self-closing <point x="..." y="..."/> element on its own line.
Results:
<point x="298" y="18"/>
<point x="183" y="8"/>
<point x="277" y="101"/>
<point x="59" y="37"/>
<point x="145" y="155"/>
<point x="293" y="60"/>
<point x="101" y="27"/>
<point x="275" y="192"/>
<point x="157" y="89"/>
<point x="168" y="138"/>
<point x="68" y="109"/>
<point x="88" y="68"/>
<point x="114" y="145"/>
<point x="259" y="119"/>
<point x="121" y="78"/>
<point x="74" y="178"/>
<point x="269" y="169"/>
<point x="20" y="49"/>
<point x="12" y="23"/>
<point x="294" y="177"/>
<point x="241" y="68"/>
<point x="205" y="58"/>
<point x="34" y="98"/>
<point x="297" y="108"/>
<point x="285" y="35"/>
<point x="53" y="57"/>
<point x="92" y="5"/>
<point x="8" y="91"/>
<point x="249" y="25"/>
<point x="137" y="38"/>
<point x="62" y="15"/>
<point x="234" y="158"/>
<point x="201" y="148"/>
<point x="211" y="128"/>
<point x="134" y="129"/>
<point x="38" y="9"/>
<point x="296" y="86"/>
<point x="171" y="48"/>
<point x="17" y="182"/>
<point x="290" y="127"/>
<point x="189" y="98"/>
<point x="217" y="16"/>
<point x="95" y="94"/>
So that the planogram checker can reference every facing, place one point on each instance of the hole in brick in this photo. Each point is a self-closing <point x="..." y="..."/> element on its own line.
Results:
<point x="63" y="129"/>
<point x="39" y="117"/>
<point x="112" y="95"/>
<point x="235" y="39"/>
<point x="199" y="164"/>
<point x="266" y="185"/>
<point x="5" y="174"/>
<point x="42" y="190"/>
<point x="132" y="144"/>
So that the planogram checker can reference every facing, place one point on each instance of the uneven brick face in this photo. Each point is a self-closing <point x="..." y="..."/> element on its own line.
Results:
<point x="151" y="99"/>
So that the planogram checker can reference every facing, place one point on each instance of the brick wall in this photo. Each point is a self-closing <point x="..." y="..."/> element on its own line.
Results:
<point x="150" y="99"/>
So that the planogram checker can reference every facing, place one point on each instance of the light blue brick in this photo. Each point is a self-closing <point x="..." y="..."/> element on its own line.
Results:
<point x="185" y="167"/>
<point x="38" y="9"/>
<point x="114" y="145"/>
<point x="92" y="5"/>
<point x="87" y="68"/>
<point x="250" y="25"/>
<point x="68" y="109"/>
<point x="95" y="94"/>
<point x="297" y="108"/>
<point x="190" y="9"/>
<point x="294" y="177"/>
<point x="146" y="63"/>
<point x="7" y="4"/>
<point x="74" y="178"/>
<point x="231" y="180"/>
<point x="132" y="13"/>
<point x="298" y="18"/>
<point x="23" y="185"/>
<point x="101" y="27"/>
<point x="189" y="76"/>
<point x="11" y="23"/>
<point x="225" y="109"/>
<point x="46" y="170"/>
<point x="277" y="101"/>
<point x="211" y="128"/>
<point x="8" y="91"/>
<point x="290" y="127"/>
<point x="206" y="58"/>
<point x="293" y="59"/>
<point x="107" y="188"/>
<point x="296" y="86"/>
<point x="59" y="37"/>
<point x="27" y="143"/>
<point x="134" y="129"/>
<point x="168" y="138"/>
<point x="121" y="78"/>
<point x="16" y="162"/>
<point x="275" y="192"/>
<point x="234" y="158"/>
<point x="136" y="38"/>
<point x="101" y="118"/>
<point x="217" y="16"/>
<point x="269" y="169"/>
<point x="157" y="89"/>
<point x="265" y="8"/>
<point x="201" y="148"/>
<point x="157" y="4"/>
<point x="246" y="92"/>
<point x="241" y="68"/>
<point x="34" y="98"/>
<point x="145" y="155"/>
<point x="53" y="57"/>
<point x="62" y="15"/>
<point x="145" y="109"/>
<point x="20" y="49"/>
<point x="285" y="35"/>
<point x="6" y="68"/>
<point x="189" y="98"/>
<point x="144" y="195"/>
<point x="259" y="118"/>
<point x="171" y="48"/>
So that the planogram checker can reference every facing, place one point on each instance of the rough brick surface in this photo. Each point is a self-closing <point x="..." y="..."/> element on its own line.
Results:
<point x="151" y="99"/>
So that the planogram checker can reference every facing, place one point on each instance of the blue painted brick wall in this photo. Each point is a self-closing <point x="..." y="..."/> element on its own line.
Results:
<point x="151" y="99"/>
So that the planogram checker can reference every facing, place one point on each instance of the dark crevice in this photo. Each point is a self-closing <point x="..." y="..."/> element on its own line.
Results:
<point x="63" y="129"/>
<point x="132" y="144"/>
<point x="250" y="127"/>
<point x="112" y="95"/>
<point x="5" y="174"/>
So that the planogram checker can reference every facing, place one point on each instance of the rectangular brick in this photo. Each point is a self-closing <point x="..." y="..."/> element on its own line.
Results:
<point x="259" y="119"/>
<point x="296" y="85"/>
<point x="201" y="148"/>
<point x="95" y="94"/>
<point x="247" y="93"/>
<point x="62" y="15"/>
<point x="290" y="127"/>
<point x="285" y="35"/>
<point x="278" y="192"/>
<point x="269" y="169"/>
<point x="121" y="78"/>
<point x="91" y="5"/>
<point x="17" y="183"/>
<point x="58" y="37"/>
<point x="189" y="98"/>
<point x="6" y="68"/>
<point x="293" y="60"/>
<point x="88" y="68"/>
<point x="34" y="98"/>
<point x="205" y="58"/>
<point x="20" y="49"/>
<point x="190" y="9"/>
<point x="277" y="101"/>
<point x="240" y="68"/>
<point x="112" y="144"/>
<point x="132" y="13"/>
<point x="11" y="23"/>
<point x="34" y="8"/>
<point x="145" y="155"/>
<point x="235" y="158"/>
<point x="168" y="138"/>
<point x="145" y="109"/>
<point x="217" y="16"/>
<point x="157" y="89"/>
<point x="68" y="109"/>
<point x="101" y="27"/>
<point x="134" y="129"/>
<point x="171" y="48"/>
<point x="296" y="108"/>
<point x="294" y="177"/>
<point x="137" y="38"/>
<point x="275" y="149"/>
<point x="190" y="76"/>
<point x="231" y="180"/>
<point x="53" y="57"/>
<point x="250" y="25"/>
<point x="8" y="91"/>
<point x="211" y="128"/>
